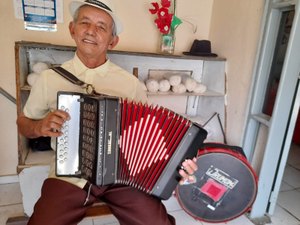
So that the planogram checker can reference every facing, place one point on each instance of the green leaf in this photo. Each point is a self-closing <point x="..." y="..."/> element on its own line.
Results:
<point x="175" y="22"/>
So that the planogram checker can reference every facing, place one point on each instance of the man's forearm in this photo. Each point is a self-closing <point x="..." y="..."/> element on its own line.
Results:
<point x="28" y="127"/>
<point x="49" y="126"/>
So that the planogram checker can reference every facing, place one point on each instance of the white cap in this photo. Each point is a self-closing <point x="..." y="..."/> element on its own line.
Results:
<point x="106" y="5"/>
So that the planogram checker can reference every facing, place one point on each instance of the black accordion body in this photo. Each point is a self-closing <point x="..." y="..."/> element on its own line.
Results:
<point x="113" y="141"/>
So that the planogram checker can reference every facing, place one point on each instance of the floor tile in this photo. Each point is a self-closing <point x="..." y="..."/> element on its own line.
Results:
<point x="10" y="194"/>
<point x="242" y="220"/>
<point x="294" y="156"/>
<point x="286" y="187"/>
<point x="86" y="221"/>
<point x="283" y="217"/>
<point x="290" y="201"/>
<point x="172" y="204"/>
<point x="292" y="176"/>
<point x="101" y="220"/>
<point x="297" y="166"/>
<point x="10" y="211"/>
<point x="108" y="223"/>
<point x="105" y="220"/>
<point x="183" y="218"/>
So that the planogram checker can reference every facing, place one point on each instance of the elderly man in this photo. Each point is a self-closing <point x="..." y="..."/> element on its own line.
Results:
<point x="64" y="201"/>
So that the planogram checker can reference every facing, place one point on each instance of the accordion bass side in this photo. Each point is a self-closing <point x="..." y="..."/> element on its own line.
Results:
<point x="113" y="141"/>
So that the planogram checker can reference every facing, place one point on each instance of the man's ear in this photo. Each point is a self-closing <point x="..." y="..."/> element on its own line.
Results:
<point x="113" y="42"/>
<point x="71" y="28"/>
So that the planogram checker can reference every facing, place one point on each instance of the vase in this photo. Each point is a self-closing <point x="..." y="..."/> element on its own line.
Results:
<point x="167" y="43"/>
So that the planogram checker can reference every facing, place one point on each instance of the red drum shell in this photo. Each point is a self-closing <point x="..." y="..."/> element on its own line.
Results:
<point x="226" y="186"/>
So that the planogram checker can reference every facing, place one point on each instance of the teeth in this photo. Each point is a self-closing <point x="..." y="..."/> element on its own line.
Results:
<point x="88" y="41"/>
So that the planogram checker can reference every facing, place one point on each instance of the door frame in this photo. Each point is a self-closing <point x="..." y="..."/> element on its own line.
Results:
<point x="276" y="126"/>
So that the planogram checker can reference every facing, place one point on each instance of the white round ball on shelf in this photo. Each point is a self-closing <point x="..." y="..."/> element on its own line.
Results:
<point x="179" y="89"/>
<point x="190" y="84"/>
<point x="164" y="85"/>
<point x="175" y="80"/>
<point x="39" y="67"/>
<point x="200" y="88"/>
<point x="31" y="78"/>
<point x="152" y="85"/>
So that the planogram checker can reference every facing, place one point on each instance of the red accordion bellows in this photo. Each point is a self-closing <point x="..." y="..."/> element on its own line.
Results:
<point x="149" y="137"/>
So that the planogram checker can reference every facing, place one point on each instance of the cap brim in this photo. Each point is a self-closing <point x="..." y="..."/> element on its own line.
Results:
<point x="74" y="5"/>
<point x="200" y="54"/>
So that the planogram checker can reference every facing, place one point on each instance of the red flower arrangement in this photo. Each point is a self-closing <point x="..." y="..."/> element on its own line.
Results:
<point x="166" y="22"/>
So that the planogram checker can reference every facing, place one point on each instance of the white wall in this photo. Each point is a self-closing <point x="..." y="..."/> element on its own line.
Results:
<point x="234" y="31"/>
<point x="232" y="26"/>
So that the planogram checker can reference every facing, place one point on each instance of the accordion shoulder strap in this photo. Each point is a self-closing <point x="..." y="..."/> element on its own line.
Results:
<point x="72" y="78"/>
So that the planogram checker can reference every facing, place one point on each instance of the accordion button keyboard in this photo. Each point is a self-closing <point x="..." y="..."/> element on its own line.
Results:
<point x="66" y="156"/>
<point x="63" y="140"/>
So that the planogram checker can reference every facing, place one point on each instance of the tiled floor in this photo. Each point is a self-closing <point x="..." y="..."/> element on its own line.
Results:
<point x="287" y="211"/>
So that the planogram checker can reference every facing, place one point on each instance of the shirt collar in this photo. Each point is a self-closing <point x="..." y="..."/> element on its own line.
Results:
<point x="80" y="69"/>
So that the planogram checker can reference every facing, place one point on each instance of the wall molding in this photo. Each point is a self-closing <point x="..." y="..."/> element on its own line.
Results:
<point x="9" y="179"/>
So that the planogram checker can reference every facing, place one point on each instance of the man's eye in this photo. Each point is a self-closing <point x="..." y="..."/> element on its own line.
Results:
<point x="102" y="28"/>
<point x="83" y="22"/>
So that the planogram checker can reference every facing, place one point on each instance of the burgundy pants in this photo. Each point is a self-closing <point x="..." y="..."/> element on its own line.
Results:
<point x="62" y="203"/>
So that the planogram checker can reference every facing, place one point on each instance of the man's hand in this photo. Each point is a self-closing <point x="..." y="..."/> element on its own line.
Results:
<point x="188" y="168"/>
<point x="50" y="126"/>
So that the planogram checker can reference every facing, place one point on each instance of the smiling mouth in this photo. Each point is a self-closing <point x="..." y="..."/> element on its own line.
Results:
<point x="87" y="41"/>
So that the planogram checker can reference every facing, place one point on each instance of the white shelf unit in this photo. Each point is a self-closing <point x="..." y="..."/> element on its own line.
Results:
<point x="199" y="107"/>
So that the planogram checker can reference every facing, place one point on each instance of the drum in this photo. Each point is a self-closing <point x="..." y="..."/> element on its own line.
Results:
<point x="226" y="185"/>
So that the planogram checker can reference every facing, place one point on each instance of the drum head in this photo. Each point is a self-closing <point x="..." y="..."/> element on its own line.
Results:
<point x="226" y="187"/>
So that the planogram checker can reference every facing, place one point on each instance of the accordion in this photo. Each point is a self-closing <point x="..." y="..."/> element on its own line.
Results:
<point x="109" y="140"/>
